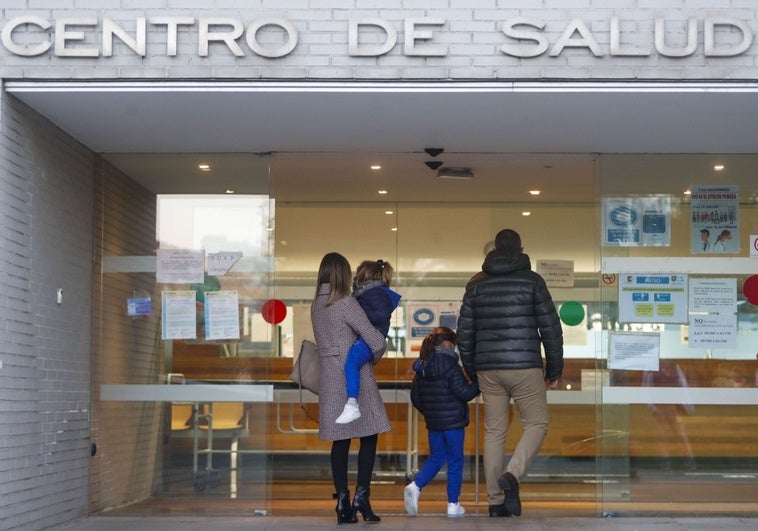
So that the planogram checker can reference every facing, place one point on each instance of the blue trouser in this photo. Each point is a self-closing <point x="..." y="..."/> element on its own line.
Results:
<point x="358" y="354"/>
<point x="444" y="446"/>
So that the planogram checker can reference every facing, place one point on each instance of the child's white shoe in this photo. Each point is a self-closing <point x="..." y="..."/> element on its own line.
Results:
<point x="411" y="494"/>
<point x="349" y="413"/>
<point x="454" y="510"/>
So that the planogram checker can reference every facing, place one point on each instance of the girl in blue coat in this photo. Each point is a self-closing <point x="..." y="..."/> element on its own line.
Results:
<point x="441" y="392"/>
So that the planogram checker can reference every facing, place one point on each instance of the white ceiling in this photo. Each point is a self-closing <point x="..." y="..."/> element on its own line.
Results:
<point x="322" y="137"/>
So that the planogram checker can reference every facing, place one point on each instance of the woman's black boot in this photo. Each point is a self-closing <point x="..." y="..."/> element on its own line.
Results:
<point x="362" y="505"/>
<point x="345" y="513"/>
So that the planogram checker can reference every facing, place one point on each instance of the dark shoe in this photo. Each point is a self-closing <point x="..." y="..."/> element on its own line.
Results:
<point x="362" y="505"/>
<point x="498" y="511"/>
<point x="345" y="513"/>
<point x="509" y="484"/>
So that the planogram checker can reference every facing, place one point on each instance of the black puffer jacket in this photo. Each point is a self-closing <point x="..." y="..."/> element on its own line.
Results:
<point x="441" y="392"/>
<point x="507" y="312"/>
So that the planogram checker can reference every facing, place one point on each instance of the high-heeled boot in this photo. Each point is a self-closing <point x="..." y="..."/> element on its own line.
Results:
<point x="362" y="505"/>
<point x="345" y="513"/>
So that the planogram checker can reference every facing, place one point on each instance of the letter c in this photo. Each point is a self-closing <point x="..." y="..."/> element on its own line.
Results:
<point x="27" y="51"/>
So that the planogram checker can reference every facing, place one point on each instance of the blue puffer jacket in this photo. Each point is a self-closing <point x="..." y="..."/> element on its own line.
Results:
<point x="507" y="312"/>
<point x="378" y="301"/>
<point x="441" y="392"/>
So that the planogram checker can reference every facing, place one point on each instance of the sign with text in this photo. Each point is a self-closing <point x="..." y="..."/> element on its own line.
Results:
<point x="652" y="298"/>
<point x="557" y="273"/>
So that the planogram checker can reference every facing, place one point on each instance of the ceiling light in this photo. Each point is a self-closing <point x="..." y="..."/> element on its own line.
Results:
<point x="688" y="192"/>
<point x="394" y="229"/>
<point x="455" y="172"/>
<point x="376" y="167"/>
<point x="204" y="167"/>
<point x="718" y="167"/>
<point x="229" y="191"/>
<point x="526" y="213"/>
<point x="535" y="192"/>
<point x="389" y="212"/>
<point x="383" y="192"/>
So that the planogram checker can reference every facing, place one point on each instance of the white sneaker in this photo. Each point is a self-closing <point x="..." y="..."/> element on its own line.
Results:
<point x="349" y="413"/>
<point x="411" y="494"/>
<point x="454" y="510"/>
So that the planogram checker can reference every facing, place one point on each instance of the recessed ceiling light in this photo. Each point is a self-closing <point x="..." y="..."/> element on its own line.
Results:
<point x="394" y="229"/>
<point x="688" y="192"/>
<point x="229" y="191"/>
<point x="535" y="192"/>
<point x="389" y="212"/>
<point x="383" y="192"/>
<point x="719" y="167"/>
<point x="376" y="166"/>
<point x="526" y="213"/>
<point x="204" y="167"/>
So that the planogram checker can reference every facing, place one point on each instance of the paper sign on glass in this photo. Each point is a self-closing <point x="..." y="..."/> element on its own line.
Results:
<point x="179" y="266"/>
<point x="634" y="351"/>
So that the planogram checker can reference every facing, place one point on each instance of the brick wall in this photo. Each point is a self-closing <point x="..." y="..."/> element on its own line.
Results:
<point x="46" y="242"/>
<point x="472" y="33"/>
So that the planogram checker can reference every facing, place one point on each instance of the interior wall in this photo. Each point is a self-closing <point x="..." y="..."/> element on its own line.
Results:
<point x="46" y="245"/>
<point x="125" y="350"/>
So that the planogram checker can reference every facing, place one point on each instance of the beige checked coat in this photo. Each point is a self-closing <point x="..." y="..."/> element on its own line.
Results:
<point x="335" y="328"/>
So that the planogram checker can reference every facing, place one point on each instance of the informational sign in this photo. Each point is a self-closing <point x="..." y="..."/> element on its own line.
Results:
<point x="179" y="266"/>
<point x="139" y="307"/>
<point x="715" y="222"/>
<point x="219" y="264"/>
<point x="636" y="221"/>
<point x="222" y="315"/>
<point x="713" y="295"/>
<point x="634" y="351"/>
<point x="713" y="331"/>
<point x="557" y="273"/>
<point x="423" y="317"/>
<point x="652" y="298"/>
<point x="178" y="315"/>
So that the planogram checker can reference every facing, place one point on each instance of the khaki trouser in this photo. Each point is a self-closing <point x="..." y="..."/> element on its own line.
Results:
<point x="527" y="389"/>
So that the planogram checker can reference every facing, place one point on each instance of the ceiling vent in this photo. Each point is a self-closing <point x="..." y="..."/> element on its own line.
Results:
<point x="455" y="172"/>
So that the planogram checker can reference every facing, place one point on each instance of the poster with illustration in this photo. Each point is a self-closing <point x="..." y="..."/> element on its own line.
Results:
<point x="637" y="221"/>
<point x="715" y="223"/>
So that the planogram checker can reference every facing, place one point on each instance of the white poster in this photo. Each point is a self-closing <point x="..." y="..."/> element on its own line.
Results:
<point x="652" y="298"/>
<point x="636" y="221"/>
<point x="178" y="315"/>
<point x="179" y="266"/>
<point x="423" y="317"/>
<point x="713" y="331"/>
<point x="713" y="295"/>
<point x="715" y="222"/>
<point x="222" y="315"/>
<point x="634" y="351"/>
<point x="218" y="264"/>
<point x="557" y="273"/>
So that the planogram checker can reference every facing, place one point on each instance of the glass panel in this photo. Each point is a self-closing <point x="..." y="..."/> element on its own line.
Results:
<point x="183" y="340"/>
<point x="681" y="353"/>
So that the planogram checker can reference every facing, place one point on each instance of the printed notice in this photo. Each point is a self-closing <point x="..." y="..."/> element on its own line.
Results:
<point x="557" y="273"/>
<point x="219" y="264"/>
<point x="713" y="331"/>
<point x="713" y="295"/>
<point x="178" y="315"/>
<point x="715" y="219"/>
<point x="179" y="266"/>
<point x="652" y="298"/>
<point x="634" y="351"/>
<point x="222" y="315"/>
<point x="637" y="221"/>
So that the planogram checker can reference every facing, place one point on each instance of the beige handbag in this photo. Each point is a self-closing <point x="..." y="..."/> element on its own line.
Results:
<point x="307" y="370"/>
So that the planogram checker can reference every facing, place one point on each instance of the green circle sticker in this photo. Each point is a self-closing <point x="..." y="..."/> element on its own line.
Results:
<point x="571" y="313"/>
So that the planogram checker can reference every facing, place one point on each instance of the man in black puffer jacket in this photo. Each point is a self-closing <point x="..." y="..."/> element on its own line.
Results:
<point x="506" y="315"/>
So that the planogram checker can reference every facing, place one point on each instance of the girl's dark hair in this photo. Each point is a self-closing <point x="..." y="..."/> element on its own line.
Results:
<point x="380" y="270"/>
<point x="335" y="271"/>
<point x="438" y="336"/>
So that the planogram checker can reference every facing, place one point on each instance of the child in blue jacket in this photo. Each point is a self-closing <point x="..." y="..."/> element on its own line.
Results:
<point x="371" y="288"/>
<point x="441" y="392"/>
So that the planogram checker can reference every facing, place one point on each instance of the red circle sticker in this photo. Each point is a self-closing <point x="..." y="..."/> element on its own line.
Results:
<point x="750" y="289"/>
<point x="274" y="311"/>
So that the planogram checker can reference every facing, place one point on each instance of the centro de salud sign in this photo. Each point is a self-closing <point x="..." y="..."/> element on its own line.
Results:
<point x="523" y="37"/>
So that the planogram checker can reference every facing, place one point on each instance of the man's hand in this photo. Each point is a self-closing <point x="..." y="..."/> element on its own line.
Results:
<point x="551" y="384"/>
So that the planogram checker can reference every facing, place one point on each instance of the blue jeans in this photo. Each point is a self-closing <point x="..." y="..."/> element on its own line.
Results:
<point x="444" y="446"/>
<point x="358" y="354"/>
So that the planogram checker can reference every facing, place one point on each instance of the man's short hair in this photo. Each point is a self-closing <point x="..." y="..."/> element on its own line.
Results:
<point x="508" y="240"/>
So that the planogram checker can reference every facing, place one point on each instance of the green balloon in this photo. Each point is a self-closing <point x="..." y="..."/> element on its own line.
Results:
<point x="572" y="313"/>
<point x="210" y="283"/>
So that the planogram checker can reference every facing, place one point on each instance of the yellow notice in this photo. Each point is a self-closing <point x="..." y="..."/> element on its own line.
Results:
<point x="666" y="310"/>
<point x="643" y="310"/>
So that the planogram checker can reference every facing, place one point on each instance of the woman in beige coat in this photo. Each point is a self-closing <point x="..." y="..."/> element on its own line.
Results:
<point x="338" y="320"/>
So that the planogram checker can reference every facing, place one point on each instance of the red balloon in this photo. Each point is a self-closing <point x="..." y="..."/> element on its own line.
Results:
<point x="750" y="289"/>
<point x="274" y="311"/>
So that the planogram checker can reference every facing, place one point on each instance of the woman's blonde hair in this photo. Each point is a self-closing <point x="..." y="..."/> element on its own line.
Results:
<point x="335" y="271"/>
